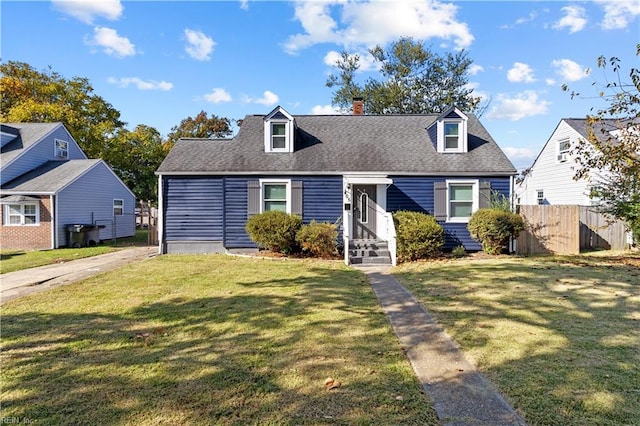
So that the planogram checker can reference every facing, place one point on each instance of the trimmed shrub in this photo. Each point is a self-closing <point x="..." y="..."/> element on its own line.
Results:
<point x="494" y="228"/>
<point x="418" y="235"/>
<point x="319" y="239"/>
<point x="275" y="231"/>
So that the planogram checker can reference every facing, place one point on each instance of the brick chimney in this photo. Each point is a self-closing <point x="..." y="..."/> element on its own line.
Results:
<point x="358" y="106"/>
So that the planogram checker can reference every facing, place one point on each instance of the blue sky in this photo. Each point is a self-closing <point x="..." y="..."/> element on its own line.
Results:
<point x="158" y="62"/>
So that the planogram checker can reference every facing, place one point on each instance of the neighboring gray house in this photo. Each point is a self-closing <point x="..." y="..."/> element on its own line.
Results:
<point x="351" y="169"/>
<point x="47" y="182"/>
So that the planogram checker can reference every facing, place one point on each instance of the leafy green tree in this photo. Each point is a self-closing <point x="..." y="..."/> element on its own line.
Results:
<point x="610" y="155"/>
<point x="135" y="156"/>
<point x="29" y="95"/>
<point x="202" y="126"/>
<point x="413" y="80"/>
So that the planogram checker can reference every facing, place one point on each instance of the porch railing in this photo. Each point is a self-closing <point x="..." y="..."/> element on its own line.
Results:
<point x="391" y="235"/>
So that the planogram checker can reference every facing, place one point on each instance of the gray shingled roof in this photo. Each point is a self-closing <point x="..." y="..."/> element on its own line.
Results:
<point x="601" y="128"/>
<point x="49" y="178"/>
<point x="30" y="133"/>
<point x="336" y="144"/>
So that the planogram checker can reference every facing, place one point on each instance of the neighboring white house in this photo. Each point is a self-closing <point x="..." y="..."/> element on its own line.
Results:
<point x="550" y="179"/>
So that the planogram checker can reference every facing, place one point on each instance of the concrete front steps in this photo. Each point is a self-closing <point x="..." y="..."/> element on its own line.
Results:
<point x="369" y="252"/>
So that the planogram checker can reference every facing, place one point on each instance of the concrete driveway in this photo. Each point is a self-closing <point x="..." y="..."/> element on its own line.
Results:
<point x="34" y="280"/>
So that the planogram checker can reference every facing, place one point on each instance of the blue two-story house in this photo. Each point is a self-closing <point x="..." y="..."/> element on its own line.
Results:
<point x="352" y="169"/>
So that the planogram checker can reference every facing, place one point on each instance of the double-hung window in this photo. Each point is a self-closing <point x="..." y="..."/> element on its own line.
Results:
<point x="276" y="196"/>
<point x="463" y="200"/>
<point x="278" y="136"/>
<point x="451" y="136"/>
<point x="118" y="207"/>
<point x="61" y="149"/>
<point x="22" y="214"/>
<point x="540" y="196"/>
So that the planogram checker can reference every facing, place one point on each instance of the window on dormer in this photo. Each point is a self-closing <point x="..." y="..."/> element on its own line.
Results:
<point x="278" y="136"/>
<point x="451" y="136"/>
<point x="452" y="132"/>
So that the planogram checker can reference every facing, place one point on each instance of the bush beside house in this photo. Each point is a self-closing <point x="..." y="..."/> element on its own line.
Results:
<point x="275" y="231"/>
<point x="419" y="236"/>
<point x="494" y="228"/>
<point x="284" y="233"/>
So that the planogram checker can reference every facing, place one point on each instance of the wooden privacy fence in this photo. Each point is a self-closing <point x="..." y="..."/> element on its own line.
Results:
<point x="566" y="229"/>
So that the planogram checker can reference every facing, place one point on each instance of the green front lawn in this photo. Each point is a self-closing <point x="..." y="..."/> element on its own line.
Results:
<point x="559" y="336"/>
<point x="208" y="340"/>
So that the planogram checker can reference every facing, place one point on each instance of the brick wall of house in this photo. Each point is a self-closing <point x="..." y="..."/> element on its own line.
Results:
<point x="35" y="237"/>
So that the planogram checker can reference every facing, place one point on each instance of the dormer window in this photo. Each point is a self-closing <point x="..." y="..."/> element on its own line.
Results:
<point x="451" y="136"/>
<point x="452" y="131"/>
<point x="279" y="128"/>
<point x="278" y="136"/>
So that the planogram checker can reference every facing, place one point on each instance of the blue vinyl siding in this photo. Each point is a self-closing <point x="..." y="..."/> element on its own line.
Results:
<point x="235" y="209"/>
<point x="321" y="200"/>
<point x="80" y="202"/>
<point x="193" y="208"/>
<point x="416" y="194"/>
<point x="39" y="153"/>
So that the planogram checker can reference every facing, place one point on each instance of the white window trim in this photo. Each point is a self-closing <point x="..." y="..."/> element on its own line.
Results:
<point x="7" y="208"/>
<point x="64" y="151"/>
<point x="475" y="205"/>
<point x="562" y="156"/>
<point x="120" y="206"/>
<point x="286" y="182"/>
<point x="462" y="135"/>
<point x="539" y="200"/>
<point x="288" y="137"/>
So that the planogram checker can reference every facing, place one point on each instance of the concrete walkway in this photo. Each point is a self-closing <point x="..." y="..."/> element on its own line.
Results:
<point x="461" y="395"/>
<point x="34" y="280"/>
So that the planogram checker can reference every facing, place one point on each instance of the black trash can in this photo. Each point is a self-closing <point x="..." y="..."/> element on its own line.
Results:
<point x="83" y="235"/>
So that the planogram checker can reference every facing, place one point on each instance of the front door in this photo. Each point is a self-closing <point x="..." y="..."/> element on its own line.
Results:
<point x="364" y="212"/>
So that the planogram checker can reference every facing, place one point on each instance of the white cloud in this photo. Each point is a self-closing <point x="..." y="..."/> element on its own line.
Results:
<point x="324" y="110"/>
<point x="376" y="22"/>
<point x="111" y="43"/>
<point x="525" y="104"/>
<point x="618" y="14"/>
<point x="519" y="153"/>
<point x="88" y="10"/>
<point x="475" y="69"/>
<point x="141" y="84"/>
<point x="199" y="45"/>
<point x="268" y="98"/>
<point x="218" y="95"/>
<point x="575" y="19"/>
<point x="569" y="70"/>
<point x="520" y="73"/>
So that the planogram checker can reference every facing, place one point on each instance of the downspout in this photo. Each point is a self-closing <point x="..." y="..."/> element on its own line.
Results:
<point x="160" y="217"/>
<point x="513" y="244"/>
<point x="54" y="213"/>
